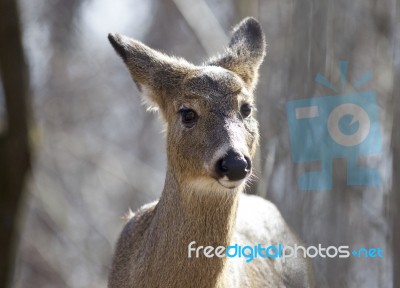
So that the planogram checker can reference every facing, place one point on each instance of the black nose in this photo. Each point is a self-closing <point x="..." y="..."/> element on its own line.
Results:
<point x="233" y="165"/>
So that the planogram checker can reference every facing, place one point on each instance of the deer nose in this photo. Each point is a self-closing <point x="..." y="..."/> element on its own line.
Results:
<point x="233" y="165"/>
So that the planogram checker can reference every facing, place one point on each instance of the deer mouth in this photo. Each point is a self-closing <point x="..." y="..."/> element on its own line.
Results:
<point x="225" y="182"/>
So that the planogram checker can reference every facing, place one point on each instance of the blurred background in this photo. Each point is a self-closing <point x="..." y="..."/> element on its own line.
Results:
<point x="77" y="148"/>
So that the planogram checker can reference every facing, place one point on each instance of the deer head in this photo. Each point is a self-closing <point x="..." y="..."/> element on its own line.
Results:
<point x="212" y="134"/>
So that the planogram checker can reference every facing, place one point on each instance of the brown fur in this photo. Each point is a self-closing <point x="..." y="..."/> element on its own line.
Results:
<point x="153" y="248"/>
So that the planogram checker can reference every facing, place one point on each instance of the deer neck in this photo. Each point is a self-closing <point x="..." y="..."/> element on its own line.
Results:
<point x="184" y="215"/>
<point x="208" y="215"/>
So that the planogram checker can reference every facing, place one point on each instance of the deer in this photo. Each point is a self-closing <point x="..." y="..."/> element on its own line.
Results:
<point x="212" y="136"/>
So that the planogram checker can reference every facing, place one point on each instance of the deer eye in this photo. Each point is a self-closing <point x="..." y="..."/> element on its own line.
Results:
<point x="245" y="110"/>
<point x="189" y="117"/>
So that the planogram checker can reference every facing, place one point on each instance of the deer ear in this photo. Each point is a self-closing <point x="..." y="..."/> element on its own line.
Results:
<point x="155" y="74"/>
<point x="245" y="53"/>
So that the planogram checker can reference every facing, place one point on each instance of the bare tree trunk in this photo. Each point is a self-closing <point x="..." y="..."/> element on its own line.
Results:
<point x="396" y="161"/>
<point x="14" y="141"/>
<point x="396" y="195"/>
